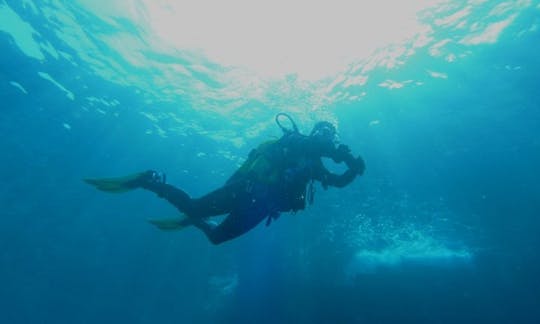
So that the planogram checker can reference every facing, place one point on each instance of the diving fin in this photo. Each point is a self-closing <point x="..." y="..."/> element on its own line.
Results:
<point x="118" y="184"/>
<point x="171" y="224"/>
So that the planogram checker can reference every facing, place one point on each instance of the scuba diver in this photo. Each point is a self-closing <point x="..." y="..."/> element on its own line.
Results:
<point x="276" y="177"/>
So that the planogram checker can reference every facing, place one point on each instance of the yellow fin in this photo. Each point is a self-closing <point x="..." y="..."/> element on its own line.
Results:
<point x="117" y="184"/>
<point x="171" y="224"/>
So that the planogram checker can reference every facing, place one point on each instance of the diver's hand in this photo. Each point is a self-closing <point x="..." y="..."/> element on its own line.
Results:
<point x="357" y="165"/>
<point x="343" y="152"/>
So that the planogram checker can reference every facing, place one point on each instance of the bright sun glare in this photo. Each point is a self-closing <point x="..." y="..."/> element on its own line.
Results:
<point x="274" y="38"/>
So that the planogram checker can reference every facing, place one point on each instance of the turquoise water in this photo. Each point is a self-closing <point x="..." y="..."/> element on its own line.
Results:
<point x="439" y="97"/>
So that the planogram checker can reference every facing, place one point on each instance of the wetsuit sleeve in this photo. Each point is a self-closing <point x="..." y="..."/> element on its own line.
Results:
<point x="328" y="178"/>
<point x="340" y="154"/>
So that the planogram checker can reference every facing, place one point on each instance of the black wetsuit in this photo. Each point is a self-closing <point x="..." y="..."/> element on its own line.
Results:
<point x="248" y="201"/>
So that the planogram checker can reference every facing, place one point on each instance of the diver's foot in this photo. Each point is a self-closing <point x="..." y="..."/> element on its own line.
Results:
<point x="172" y="224"/>
<point x="127" y="183"/>
<point x="204" y="223"/>
<point x="149" y="178"/>
<point x="212" y="224"/>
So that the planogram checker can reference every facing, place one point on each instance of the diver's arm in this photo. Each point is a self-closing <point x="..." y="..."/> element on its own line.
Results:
<point x="337" y="180"/>
<point x="339" y="154"/>
<point x="355" y="166"/>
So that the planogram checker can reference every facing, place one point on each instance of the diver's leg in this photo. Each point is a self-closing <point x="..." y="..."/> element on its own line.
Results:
<point x="155" y="182"/>
<point x="220" y="201"/>
<point x="236" y="224"/>
<point x="178" y="197"/>
<point x="217" y="202"/>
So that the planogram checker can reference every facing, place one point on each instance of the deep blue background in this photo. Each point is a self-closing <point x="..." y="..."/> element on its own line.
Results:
<point x="464" y="149"/>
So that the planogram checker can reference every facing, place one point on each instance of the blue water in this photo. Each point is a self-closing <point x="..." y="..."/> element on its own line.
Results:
<point x="442" y="228"/>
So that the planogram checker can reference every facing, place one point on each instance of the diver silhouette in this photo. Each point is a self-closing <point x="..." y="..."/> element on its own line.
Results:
<point x="276" y="177"/>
